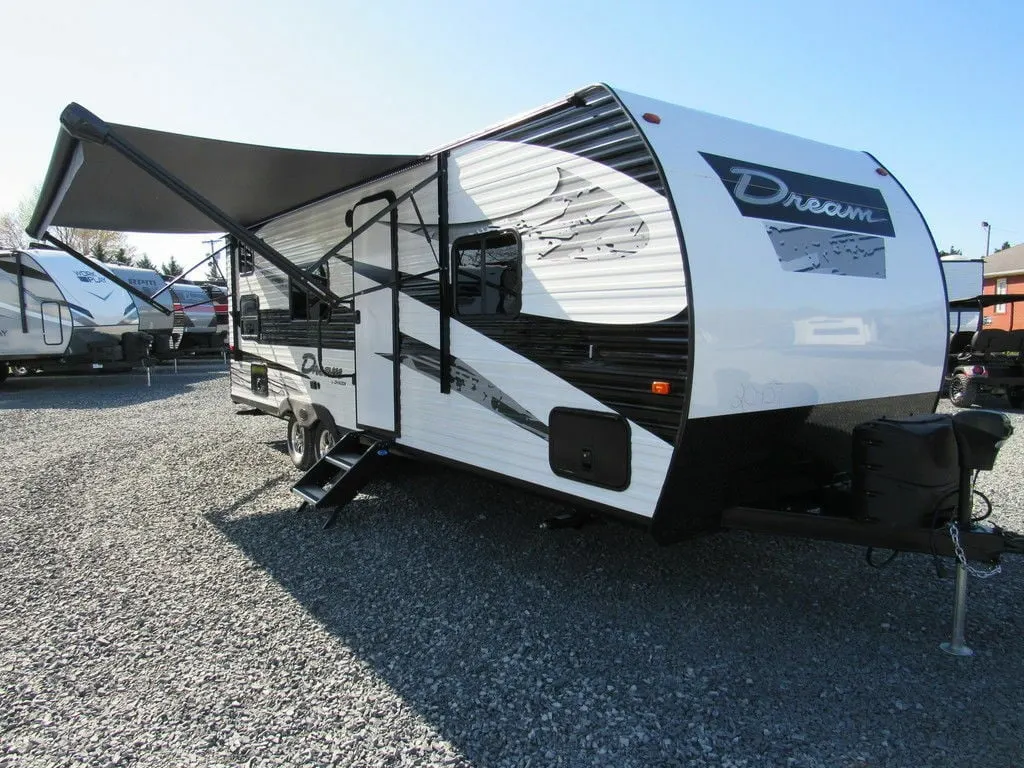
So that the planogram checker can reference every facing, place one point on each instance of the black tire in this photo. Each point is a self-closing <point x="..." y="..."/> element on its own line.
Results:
<point x="963" y="391"/>
<point x="300" y="445"/>
<point x="1016" y="397"/>
<point x="324" y="438"/>
<point x="3" y="372"/>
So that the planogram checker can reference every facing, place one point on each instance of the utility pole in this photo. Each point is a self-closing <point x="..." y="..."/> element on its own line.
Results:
<point x="988" y="236"/>
<point x="212" y="243"/>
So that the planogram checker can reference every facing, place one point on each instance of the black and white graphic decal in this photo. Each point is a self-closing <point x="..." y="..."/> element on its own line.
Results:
<point x="763" y="192"/>
<point x="828" y="252"/>
<point x="469" y="383"/>
<point x="577" y="221"/>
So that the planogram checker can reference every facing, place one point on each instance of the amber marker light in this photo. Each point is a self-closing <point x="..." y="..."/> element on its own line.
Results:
<point x="661" y="388"/>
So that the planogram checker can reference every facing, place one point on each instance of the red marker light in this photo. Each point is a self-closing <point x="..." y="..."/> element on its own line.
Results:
<point x="978" y="370"/>
<point x="881" y="171"/>
<point x="650" y="117"/>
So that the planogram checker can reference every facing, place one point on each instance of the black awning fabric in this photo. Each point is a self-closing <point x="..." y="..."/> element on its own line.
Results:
<point x="248" y="182"/>
<point x="985" y="300"/>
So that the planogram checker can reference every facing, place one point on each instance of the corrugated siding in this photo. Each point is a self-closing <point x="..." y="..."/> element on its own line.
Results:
<point x="604" y="297"/>
<point x="600" y="131"/>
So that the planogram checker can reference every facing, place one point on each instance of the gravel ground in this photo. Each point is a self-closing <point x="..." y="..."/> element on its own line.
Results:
<point x="164" y="605"/>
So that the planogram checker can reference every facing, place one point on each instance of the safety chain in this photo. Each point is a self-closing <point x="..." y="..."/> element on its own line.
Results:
<point x="954" y="534"/>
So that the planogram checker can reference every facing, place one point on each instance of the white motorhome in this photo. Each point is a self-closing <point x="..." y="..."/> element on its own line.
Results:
<point x="60" y="313"/>
<point x="637" y="308"/>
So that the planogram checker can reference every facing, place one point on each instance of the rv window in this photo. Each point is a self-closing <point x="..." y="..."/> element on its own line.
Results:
<point x="304" y="306"/>
<point x="488" y="274"/>
<point x="246" y="261"/>
<point x="249" y="317"/>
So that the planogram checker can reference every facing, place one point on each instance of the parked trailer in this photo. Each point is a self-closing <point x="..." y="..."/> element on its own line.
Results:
<point x="196" y="327"/>
<point x="634" y="307"/>
<point x="59" y="313"/>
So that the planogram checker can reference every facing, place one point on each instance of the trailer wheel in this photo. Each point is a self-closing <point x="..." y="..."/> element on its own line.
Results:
<point x="963" y="391"/>
<point x="324" y="438"/>
<point x="300" y="444"/>
<point x="1016" y="397"/>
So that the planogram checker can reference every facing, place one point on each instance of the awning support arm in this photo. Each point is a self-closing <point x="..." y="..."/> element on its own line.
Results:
<point x="365" y="226"/>
<point x="187" y="271"/>
<point x="83" y="125"/>
<point x="426" y="232"/>
<point x="97" y="266"/>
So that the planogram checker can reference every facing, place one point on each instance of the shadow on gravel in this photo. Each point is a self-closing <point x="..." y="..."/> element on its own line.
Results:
<point x="598" y="646"/>
<point x="86" y="391"/>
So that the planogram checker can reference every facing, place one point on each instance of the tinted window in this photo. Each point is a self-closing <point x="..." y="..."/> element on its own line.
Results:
<point x="246" y="261"/>
<point x="487" y="274"/>
<point x="249" y="317"/>
<point x="306" y="307"/>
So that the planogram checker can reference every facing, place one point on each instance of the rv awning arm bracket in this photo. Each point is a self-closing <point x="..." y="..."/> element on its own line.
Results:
<point x="426" y="232"/>
<point x="97" y="266"/>
<point x="84" y="126"/>
<point x="383" y="286"/>
<point x="182" y="276"/>
<point x="369" y="223"/>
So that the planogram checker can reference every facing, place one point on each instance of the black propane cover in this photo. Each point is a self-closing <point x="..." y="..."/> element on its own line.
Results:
<point x="905" y="470"/>
<point x="981" y="434"/>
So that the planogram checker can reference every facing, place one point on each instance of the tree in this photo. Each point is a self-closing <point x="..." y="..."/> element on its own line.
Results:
<point x="90" y="240"/>
<point x="172" y="268"/>
<point x="1003" y="247"/>
<point x="121" y="256"/>
<point x="13" y="223"/>
<point x="213" y="273"/>
<point x="144" y="262"/>
<point x="953" y="251"/>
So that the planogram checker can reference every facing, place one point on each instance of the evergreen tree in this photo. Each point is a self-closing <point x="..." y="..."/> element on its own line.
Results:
<point x="172" y="268"/>
<point x="145" y="262"/>
<point x="212" y="272"/>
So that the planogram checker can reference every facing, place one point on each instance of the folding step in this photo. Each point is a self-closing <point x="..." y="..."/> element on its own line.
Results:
<point x="311" y="494"/>
<point x="343" y="461"/>
<point x="338" y="476"/>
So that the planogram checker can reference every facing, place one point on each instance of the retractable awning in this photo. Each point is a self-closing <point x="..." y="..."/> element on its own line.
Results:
<point x="90" y="184"/>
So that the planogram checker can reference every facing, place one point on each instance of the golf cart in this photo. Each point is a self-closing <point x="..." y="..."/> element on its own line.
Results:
<point x="985" y="360"/>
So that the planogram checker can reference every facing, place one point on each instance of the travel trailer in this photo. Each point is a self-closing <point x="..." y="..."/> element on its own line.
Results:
<point x="196" y="328"/>
<point x="642" y="310"/>
<point x="60" y="313"/>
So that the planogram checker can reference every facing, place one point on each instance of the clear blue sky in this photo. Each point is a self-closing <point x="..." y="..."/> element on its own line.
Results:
<point x="933" y="89"/>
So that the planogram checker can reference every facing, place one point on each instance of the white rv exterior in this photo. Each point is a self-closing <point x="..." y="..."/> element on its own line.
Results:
<point x="766" y="279"/>
<point x="57" y="313"/>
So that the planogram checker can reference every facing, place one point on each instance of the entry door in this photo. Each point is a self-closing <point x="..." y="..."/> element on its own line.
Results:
<point x="377" y="365"/>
